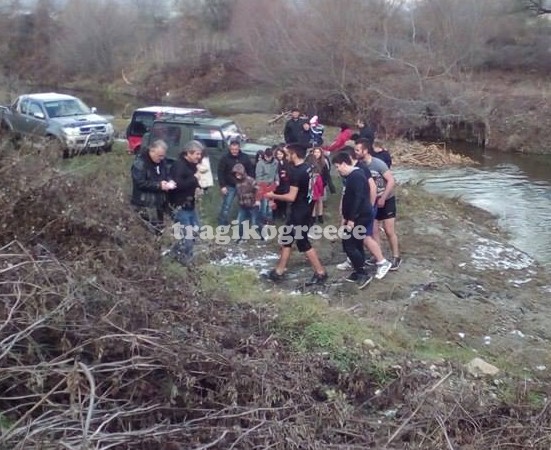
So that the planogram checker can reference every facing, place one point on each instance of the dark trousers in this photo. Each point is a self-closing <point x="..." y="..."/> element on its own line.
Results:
<point x="354" y="249"/>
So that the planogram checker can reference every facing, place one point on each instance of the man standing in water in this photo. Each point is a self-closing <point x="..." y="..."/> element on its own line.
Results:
<point x="299" y="218"/>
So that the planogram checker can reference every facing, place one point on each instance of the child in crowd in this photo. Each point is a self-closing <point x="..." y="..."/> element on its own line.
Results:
<point x="204" y="170"/>
<point x="316" y="131"/>
<point x="267" y="179"/>
<point x="304" y="136"/>
<point x="259" y="155"/>
<point x="246" y="190"/>
<point x="321" y="167"/>
<point x="205" y="180"/>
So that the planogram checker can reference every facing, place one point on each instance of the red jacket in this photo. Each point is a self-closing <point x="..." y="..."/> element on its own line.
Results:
<point x="340" y="140"/>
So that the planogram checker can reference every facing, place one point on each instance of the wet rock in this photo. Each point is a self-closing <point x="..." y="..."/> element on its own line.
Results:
<point x="477" y="367"/>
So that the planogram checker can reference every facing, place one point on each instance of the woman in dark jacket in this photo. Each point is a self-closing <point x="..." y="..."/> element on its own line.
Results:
<point x="283" y="167"/>
<point x="305" y="136"/>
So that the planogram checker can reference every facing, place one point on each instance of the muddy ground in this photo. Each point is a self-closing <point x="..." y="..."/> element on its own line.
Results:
<point x="460" y="283"/>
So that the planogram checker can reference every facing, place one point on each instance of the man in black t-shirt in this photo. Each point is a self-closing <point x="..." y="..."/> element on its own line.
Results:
<point x="299" y="218"/>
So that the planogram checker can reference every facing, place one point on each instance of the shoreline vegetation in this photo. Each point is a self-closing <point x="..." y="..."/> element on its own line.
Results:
<point x="95" y="324"/>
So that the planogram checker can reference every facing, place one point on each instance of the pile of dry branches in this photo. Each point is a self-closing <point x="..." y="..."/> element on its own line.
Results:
<point x="101" y="349"/>
<point x="432" y="155"/>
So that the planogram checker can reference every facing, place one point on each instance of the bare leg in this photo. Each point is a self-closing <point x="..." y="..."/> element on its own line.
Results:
<point x="391" y="235"/>
<point x="313" y="258"/>
<point x="317" y="207"/>
<point x="374" y="248"/>
<point x="284" y="256"/>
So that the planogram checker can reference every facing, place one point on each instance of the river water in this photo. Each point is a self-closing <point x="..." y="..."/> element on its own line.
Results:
<point x="515" y="188"/>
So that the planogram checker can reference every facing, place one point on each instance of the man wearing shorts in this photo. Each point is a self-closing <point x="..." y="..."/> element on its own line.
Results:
<point x="296" y="229"/>
<point x="386" y="200"/>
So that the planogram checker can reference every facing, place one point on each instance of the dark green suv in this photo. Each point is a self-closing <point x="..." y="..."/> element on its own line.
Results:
<point x="210" y="131"/>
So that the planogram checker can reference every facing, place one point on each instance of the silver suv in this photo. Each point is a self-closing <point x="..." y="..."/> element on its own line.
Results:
<point x="60" y="117"/>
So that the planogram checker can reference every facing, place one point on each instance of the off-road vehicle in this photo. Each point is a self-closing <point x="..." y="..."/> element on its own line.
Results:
<point x="61" y="118"/>
<point x="212" y="132"/>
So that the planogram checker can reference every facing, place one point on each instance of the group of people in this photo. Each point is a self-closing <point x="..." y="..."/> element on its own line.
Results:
<point x="289" y="182"/>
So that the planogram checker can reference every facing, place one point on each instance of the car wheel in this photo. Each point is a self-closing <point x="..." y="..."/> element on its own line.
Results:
<point x="108" y="148"/>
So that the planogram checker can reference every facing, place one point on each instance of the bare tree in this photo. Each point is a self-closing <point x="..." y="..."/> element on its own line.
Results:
<point x="95" y="38"/>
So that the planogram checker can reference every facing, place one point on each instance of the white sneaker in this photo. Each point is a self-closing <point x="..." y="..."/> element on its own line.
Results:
<point x="382" y="269"/>
<point x="346" y="265"/>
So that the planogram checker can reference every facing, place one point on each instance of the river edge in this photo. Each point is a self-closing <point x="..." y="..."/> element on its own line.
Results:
<point x="462" y="291"/>
<point x="461" y="283"/>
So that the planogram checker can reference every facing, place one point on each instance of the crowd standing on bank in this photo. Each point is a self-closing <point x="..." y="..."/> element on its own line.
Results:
<point x="288" y="183"/>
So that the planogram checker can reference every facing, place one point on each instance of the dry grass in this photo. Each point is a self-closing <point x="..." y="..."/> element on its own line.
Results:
<point x="103" y="347"/>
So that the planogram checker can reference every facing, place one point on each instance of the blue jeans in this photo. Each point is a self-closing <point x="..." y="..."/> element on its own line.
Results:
<point x="188" y="219"/>
<point x="227" y="202"/>
<point x="265" y="211"/>
<point x="247" y="214"/>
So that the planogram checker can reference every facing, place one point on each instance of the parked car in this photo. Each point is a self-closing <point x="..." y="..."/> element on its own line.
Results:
<point x="215" y="133"/>
<point x="143" y="118"/>
<point x="60" y="117"/>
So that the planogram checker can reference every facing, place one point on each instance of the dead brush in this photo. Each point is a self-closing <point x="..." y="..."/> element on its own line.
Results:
<point x="101" y="348"/>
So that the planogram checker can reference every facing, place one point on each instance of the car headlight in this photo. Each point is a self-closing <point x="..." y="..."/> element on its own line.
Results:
<point x="71" y="131"/>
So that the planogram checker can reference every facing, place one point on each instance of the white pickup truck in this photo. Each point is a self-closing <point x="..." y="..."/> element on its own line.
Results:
<point x="58" y="117"/>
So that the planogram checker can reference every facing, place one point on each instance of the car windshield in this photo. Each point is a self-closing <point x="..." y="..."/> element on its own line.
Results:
<point x="141" y="123"/>
<point x="231" y="130"/>
<point x="65" y="108"/>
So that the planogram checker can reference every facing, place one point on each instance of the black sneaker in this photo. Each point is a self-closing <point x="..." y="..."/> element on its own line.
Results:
<point x="274" y="276"/>
<point x="363" y="280"/>
<point x="317" y="279"/>
<point x="353" y="277"/>
<point x="396" y="261"/>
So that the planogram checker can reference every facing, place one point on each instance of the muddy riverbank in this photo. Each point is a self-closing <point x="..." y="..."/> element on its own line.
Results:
<point x="461" y="287"/>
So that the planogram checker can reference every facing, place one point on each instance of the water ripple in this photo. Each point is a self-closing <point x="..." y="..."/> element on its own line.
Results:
<point x="523" y="206"/>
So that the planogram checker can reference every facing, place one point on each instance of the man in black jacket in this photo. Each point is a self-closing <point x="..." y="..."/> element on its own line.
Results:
<point x="226" y="178"/>
<point x="293" y="127"/>
<point x="150" y="183"/>
<point x="357" y="216"/>
<point x="182" y="199"/>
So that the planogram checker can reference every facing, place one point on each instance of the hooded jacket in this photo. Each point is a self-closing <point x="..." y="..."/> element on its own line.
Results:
<point x="266" y="172"/>
<point x="246" y="187"/>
